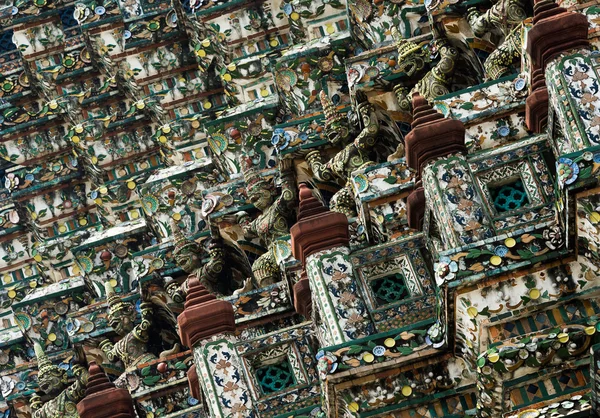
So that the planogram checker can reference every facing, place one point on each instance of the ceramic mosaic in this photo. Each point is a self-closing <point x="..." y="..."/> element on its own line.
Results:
<point x="144" y="143"/>
<point x="293" y="347"/>
<point x="574" y="91"/>
<point x="332" y="274"/>
<point x="490" y="98"/>
<point x="371" y="397"/>
<point x="41" y="315"/>
<point x="587" y="230"/>
<point x="220" y="371"/>
<point x="461" y="217"/>
<point x="411" y="297"/>
<point x="492" y="313"/>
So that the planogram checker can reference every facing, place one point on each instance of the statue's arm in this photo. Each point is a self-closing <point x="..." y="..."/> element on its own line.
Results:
<point x="366" y="138"/>
<point x="288" y="198"/>
<point x="76" y="391"/>
<point x="108" y="348"/>
<point x="448" y="57"/>
<point x="177" y="292"/>
<point x="212" y="270"/>
<point x="320" y="170"/>
<point x="141" y="331"/>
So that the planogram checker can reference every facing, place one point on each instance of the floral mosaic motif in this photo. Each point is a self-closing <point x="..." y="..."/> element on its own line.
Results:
<point x="341" y="307"/>
<point x="375" y="24"/>
<point x="521" y="173"/>
<point x="479" y="312"/>
<point x="499" y="254"/>
<point x="581" y="81"/>
<point x="578" y="169"/>
<point x="42" y="314"/>
<point x="19" y="180"/>
<point x="260" y="302"/>
<point x="569" y="406"/>
<point x="92" y="320"/>
<point x="293" y="347"/>
<point x="503" y="94"/>
<point x="158" y="374"/>
<point x="371" y="350"/>
<point x="178" y="402"/>
<point x="381" y="180"/>
<point x="222" y="378"/>
<point x="588" y="224"/>
<point x="461" y="215"/>
<point x="249" y="130"/>
<point x="496" y="133"/>
<point x="113" y="113"/>
<point x="299" y="79"/>
<point x="371" y="187"/>
<point x="173" y="194"/>
<point x="395" y="389"/>
<point x="404" y="257"/>
<point x="552" y="347"/>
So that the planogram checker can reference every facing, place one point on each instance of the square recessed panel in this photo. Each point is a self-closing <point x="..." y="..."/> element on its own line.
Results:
<point x="510" y="188"/>
<point x="509" y="195"/>
<point x="275" y="370"/>
<point x="275" y="377"/>
<point x="389" y="289"/>
<point x="390" y="283"/>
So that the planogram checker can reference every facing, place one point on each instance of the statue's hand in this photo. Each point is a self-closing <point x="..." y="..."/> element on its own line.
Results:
<point x="107" y="348"/>
<point x="78" y="370"/>
<point x="285" y="164"/>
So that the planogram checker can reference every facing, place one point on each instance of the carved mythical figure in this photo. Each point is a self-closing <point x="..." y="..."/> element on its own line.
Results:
<point x="52" y="381"/>
<point x="506" y="15"/>
<point x="412" y="58"/>
<point x="272" y="223"/>
<point x="377" y="130"/>
<point x="437" y="81"/>
<point x="132" y="348"/>
<point x="223" y="274"/>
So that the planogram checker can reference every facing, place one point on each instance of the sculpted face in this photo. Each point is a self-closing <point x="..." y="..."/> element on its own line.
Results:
<point x="52" y="381"/>
<point x="338" y="132"/>
<point x="188" y="260"/>
<point x="260" y="198"/>
<point x="122" y="318"/>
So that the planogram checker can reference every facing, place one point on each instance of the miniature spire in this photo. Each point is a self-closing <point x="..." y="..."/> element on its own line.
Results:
<point x="97" y="380"/>
<point x="44" y="363"/>
<point x="203" y="315"/>
<point x="432" y="135"/>
<point x="309" y="204"/>
<point x="103" y="399"/>
<point x="317" y="228"/>
<point x="554" y="31"/>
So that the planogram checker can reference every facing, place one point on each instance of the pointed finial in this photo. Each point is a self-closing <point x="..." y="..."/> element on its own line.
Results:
<point x="178" y="237"/>
<point x="331" y="113"/>
<point x="42" y="358"/>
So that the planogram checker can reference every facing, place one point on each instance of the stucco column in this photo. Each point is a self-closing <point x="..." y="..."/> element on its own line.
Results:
<point x="206" y="325"/>
<point x="555" y="38"/>
<point x="435" y="149"/>
<point x="320" y="240"/>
